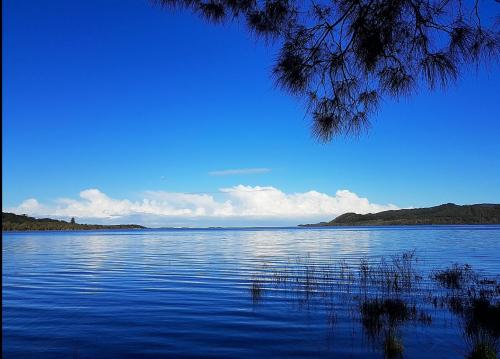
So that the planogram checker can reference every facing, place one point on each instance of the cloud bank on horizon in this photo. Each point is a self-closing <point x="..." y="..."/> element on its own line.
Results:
<point x="238" y="205"/>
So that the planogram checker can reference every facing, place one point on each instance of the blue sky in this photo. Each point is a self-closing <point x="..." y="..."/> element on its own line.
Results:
<point x="130" y="100"/>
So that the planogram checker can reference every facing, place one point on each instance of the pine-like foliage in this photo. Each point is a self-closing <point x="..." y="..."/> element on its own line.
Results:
<point x="343" y="56"/>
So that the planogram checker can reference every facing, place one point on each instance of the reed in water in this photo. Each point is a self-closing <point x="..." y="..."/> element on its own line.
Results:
<point x="385" y="294"/>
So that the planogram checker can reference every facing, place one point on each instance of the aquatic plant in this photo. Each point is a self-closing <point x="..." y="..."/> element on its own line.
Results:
<point x="398" y="275"/>
<point x="475" y="300"/>
<point x="482" y="351"/>
<point x="455" y="277"/>
<point x="393" y="346"/>
<point x="256" y="289"/>
<point x="386" y="294"/>
<point x="482" y="327"/>
<point x="393" y="310"/>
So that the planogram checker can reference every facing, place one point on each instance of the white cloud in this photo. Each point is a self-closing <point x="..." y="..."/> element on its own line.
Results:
<point x="238" y="205"/>
<point x="240" y="171"/>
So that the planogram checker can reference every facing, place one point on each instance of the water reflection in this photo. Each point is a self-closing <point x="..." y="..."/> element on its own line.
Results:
<point x="270" y="293"/>
<point x="386" y="296"/>
<point x="474" y="299"/>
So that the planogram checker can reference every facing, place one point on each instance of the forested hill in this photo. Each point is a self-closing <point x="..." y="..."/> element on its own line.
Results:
<point x="444" y="214"/>
<point x="14" y="222"/>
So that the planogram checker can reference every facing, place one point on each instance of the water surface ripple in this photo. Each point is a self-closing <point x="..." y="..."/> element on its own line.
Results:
<point x="186" y="293"/>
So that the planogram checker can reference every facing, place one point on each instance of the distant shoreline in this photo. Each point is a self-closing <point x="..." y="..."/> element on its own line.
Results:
<point x="298" y="227"/>
<point x="445" y="214"/>
<point x="72" y="230"/>
<point x="22" y="223"/>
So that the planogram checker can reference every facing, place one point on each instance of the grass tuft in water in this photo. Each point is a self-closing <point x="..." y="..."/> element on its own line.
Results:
<point x="385" y="295"/>
<point x="388" y="312"/>
<point x="482" y="351"/>
<point x="256" y="289"/>
<point x="455" y="277"/>
<point x="393" y="346"/>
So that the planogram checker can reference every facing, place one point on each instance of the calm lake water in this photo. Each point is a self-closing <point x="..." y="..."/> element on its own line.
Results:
<point x="187" y="293"/>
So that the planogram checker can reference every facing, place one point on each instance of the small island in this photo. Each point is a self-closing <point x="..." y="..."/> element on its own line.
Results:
<point x="15" y="222"/>
<point x="445" y="214"/>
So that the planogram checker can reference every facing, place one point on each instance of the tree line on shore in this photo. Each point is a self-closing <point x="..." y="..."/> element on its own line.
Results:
<point x="15" y="222"/>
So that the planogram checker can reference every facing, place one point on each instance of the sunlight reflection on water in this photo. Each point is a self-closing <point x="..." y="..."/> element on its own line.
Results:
<point x="187" y="292"/>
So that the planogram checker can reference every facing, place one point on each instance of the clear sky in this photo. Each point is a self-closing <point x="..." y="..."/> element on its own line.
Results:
<point x="120" y="110"/>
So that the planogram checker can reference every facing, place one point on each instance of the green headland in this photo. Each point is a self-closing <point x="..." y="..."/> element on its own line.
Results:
<point x="449" y="213"/>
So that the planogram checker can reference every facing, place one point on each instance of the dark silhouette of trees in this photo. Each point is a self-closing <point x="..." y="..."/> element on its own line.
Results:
<point x="342" y="56"/>
<point x="14" y="222"/>
<point x="448" y="213"/>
